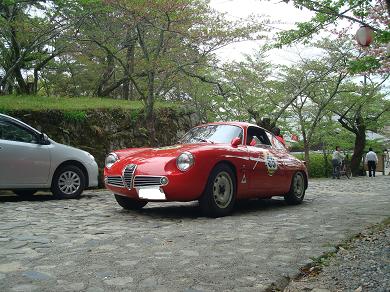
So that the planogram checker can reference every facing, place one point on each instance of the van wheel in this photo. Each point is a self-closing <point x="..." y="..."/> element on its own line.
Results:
<point x="220" y="194"/>
<point x="68" y="182"/>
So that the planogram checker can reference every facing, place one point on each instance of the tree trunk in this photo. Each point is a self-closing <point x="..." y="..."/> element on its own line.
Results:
<point x="106" y="75"/>
<point x="23" y="89"/>
<point x="149" y="109"/>
<point x="128" y="88"/>
<point x="306" y="147"/>
<point x="360" y="143"/>
<point x="325" y="155"/>
<point x="36" y="76"/>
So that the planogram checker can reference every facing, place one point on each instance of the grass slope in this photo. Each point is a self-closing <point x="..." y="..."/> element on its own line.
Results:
<point x="29" y="102"/>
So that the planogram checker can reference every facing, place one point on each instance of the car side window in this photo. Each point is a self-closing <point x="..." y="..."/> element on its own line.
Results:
<point x="12" y="132"/>
<point x="257" y="137"/>
<point x="275" y="142"/>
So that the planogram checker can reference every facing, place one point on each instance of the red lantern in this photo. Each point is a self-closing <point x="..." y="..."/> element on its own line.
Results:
<point x="364" y="36"/>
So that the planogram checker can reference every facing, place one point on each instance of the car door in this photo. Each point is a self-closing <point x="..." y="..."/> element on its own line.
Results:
<point x="23" y="161"/>
<point x="283" y="173"/>
<point x="262" y="162"/>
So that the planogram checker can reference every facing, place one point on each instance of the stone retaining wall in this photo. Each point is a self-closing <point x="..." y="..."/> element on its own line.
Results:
<point x="101" y="131"/>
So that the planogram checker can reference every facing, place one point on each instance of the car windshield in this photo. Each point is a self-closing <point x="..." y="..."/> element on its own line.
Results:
<point x="212" y="134"/>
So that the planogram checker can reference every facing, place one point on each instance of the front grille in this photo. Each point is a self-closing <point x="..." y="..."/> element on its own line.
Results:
<point x="145" y="181"/>
<point x="128" y="174"/>
<point x="115" y="181"/>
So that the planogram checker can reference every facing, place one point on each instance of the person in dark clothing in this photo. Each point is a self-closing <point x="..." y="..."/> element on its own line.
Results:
<point x="337" y="159"/>
<point x="372" y="160"/>
<point x="276" y="132"/>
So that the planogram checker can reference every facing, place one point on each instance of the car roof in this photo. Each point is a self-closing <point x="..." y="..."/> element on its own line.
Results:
<point x="235" y="123"/>
<point x="18" y="122"/>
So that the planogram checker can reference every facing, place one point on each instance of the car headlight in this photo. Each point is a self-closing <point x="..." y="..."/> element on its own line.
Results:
<point x="111" y="159"/>
<point x="184" y="161"/>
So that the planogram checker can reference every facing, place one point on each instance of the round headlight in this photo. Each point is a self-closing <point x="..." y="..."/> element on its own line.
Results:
<point x="185" y="161"/>
<point x="111" y="159"/>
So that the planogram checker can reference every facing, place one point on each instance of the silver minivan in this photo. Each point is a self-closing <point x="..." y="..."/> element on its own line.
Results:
<point x="30" y="161"/>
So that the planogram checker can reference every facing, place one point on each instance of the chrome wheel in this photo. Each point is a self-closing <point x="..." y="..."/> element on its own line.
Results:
<point x="299" y="185"/>
<point x="297" y="189"/>
<point x="223" y="190"/>
<point x="69" y="182"/>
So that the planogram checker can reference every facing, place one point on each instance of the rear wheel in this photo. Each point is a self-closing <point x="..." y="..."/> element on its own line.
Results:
<point x="220" y="194"/>
<point x="68" y="182"/>
<point x="129" y="204"/>
<point x="297" y="189"/>
<point x="25" y="193"/>
<point x="348" y="172"/>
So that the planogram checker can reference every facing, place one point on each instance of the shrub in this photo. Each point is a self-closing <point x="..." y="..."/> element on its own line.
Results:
<point x="75" y="116"/>
<point x="317" y="166"/>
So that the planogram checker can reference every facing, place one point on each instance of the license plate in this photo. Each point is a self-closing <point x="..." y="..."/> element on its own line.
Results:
<point x="151" y="194"/>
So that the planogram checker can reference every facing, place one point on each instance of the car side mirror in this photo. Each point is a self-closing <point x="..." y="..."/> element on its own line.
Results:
<point x="43" y="139"/>
<point x="235" y="142"/>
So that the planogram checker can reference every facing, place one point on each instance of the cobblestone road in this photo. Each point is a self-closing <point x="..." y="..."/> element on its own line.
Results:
<point x="92" y="244"/>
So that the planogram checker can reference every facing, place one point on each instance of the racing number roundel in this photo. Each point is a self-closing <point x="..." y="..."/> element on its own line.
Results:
<point x="271" y="164"/>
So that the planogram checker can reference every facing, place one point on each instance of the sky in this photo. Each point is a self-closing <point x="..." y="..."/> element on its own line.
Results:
<point x="283" y="17"/>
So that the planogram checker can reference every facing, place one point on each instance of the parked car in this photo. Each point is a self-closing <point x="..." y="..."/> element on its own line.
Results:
<point x="30" y="161"/>
<point x="216" y="163"/>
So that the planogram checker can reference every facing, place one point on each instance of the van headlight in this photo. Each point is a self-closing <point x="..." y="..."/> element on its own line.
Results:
<point x="184" y="161"/>
<point x="111" y="159"/>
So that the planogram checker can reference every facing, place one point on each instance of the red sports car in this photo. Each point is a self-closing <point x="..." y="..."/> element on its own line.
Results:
<point x="216" y="164"/>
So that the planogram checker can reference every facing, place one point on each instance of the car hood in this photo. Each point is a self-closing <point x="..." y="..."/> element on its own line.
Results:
<point x="69" y="152"/>
<point x="141" y="155"/>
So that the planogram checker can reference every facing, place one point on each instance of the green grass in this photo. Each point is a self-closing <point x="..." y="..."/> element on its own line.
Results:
<point x="28" y="102"/>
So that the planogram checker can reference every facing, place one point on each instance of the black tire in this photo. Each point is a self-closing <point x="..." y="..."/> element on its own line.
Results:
<point x="338" y="171"/>
<point x="348" y="173"/>
<point x="25" y="193"/>
<point x="219" y="196"/>
<point x="130" y="204"/>
<point x="68" y="182"/>
<point x="297" y="189"/>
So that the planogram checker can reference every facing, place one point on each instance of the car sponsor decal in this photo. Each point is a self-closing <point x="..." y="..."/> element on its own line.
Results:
<point x="271" y="164"/>
<point x="167" y="147"/>
<point x="243" y="181"/>
<point x="259" y="159"/>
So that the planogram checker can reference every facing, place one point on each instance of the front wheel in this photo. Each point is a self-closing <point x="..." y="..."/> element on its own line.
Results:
<point x="130" y="204"/>
<point x="297" y="190"/>
<point x="220" y="194"/>
<point x="68" y="182"/>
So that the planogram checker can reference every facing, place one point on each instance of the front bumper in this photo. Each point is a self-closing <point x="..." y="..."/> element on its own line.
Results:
<point x="93" y="174"/>
<point x="170" y="186"/>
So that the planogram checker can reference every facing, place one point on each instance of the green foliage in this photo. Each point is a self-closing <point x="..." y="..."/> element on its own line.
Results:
<point x="28" y="102"/>
<point x="383" y="37"/>
<point x="364" y="64"/>
<point x="327" y="15"/>
<point x="318" y="166"/>
<point x="75" y="116"/>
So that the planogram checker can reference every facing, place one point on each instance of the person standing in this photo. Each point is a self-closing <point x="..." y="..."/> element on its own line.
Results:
<point x="371" y="160"/>
<point x="278" y="135"/>
<point x="337" y="159"/>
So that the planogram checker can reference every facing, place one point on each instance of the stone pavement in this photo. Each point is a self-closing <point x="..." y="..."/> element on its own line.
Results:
<point x="92" y="244"/>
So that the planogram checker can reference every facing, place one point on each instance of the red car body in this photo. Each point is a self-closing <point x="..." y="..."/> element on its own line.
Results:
<point x="260" y="168"/>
